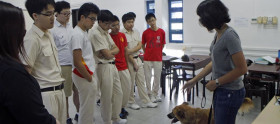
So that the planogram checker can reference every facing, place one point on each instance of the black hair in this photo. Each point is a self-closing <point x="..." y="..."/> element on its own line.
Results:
<point x="213" y="14"/>
<point x="86" y="9"/>
<point x="149" y="16"/>
<point x="128" y="16"/>
<point x="37" y="6"/>
<point x="59" y="6"/>
<point x="115" y="18"/>
<point x="12" y="32"/>
<point x="105" y="15"/>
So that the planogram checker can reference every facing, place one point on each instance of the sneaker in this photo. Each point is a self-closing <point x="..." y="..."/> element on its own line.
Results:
<point x="121" y="121"/>
<point x="153" y="99"/>
<point x="69" y="121"/>
<point x="158" y="99"/>
<point x="134" y="106"/>
<point x="124" y="112"/>
<point x="76" y="118"/>
<point x="98" y="102"/>
<point x="149" y="105"/>
<point x="123" y="116"/>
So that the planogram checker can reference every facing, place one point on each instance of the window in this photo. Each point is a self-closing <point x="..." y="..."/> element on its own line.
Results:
<point x="175" y="21"/>
<point x="150" y="8"/>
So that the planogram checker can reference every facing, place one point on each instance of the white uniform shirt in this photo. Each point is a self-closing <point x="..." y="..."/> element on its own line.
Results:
<point x="80" y="41"/>
<point x="42" y="57"/>
<point x="133" y="38"/>
<point x="100" y="40"/>
<point x="62" y="36"/>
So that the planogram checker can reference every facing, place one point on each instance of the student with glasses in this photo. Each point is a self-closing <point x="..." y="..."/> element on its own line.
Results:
<point x="62" y="33"/>
<point x="83" y="66"/>
<point x="42" y="62"/>
<point x="20" y="95"/>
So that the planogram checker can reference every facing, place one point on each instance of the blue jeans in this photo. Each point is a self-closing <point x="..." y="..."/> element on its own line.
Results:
<point x="226" y="104"/>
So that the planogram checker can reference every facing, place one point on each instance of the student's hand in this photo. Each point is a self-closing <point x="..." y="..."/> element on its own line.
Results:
<point x="89" y="79"/>
<point x="99" y="55"/>
<point x="128" y="51"/>
<point x="57" y="122"/>
<point x="188" y="86"/>
<point x="211" y="85"/>
<point x="135" y="67"/>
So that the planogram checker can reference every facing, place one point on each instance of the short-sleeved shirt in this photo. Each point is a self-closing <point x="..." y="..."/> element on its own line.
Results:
<point x="133" y="38"/>
<point x="80" y="41"/>
<point x="221" y="55"/>
<point x="154" y="41"/>
<point x="20" y="97"/>
<point x="120" y="41"/>
<point x="42" y="57"/>
<point x="62" y="36"/>
<point x="100" y="40"/>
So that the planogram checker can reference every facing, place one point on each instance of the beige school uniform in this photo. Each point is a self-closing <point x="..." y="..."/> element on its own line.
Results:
<point x="43" y="59"/>
<point x="108" y="77"/>
<point x="133" y="38"/>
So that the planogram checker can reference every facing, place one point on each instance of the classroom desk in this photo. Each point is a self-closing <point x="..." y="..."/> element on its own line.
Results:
<point x="270" y="114"/>
<point x="166" y="70"/>
<point x="195" y="62"/>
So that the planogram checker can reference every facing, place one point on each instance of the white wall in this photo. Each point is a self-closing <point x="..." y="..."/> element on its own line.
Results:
<point x="257" y="40"/>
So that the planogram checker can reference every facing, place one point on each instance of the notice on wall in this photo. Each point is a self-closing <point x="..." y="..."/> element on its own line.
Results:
<point x="241" y="22"/>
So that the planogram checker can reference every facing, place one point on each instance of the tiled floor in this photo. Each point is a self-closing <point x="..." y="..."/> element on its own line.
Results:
<point x="158" y="115"/>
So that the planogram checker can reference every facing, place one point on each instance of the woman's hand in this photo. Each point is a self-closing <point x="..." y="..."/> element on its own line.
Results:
<point x="188" y="86"/>
<point x="211" y="85"/>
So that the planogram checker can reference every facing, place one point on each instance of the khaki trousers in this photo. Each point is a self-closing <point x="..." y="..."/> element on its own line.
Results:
<point x="87" y="97"/>
<point x="111" y="92"/>
<point x="66" y="71"/>
<point x="157" y="66"/>
<point x="138" y="78"/>
<point x="126" y="85"/>
<point x="55" y="103"/>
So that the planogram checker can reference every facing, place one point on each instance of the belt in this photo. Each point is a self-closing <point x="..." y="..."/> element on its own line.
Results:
<point x="59" y="87"/>
<point x="107" y="62"/>
<point x="135" y="57"/>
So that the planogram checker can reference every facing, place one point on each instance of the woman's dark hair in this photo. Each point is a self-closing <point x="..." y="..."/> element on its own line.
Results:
<point x="86" y="9"/>
<point x="149" y="16"/>
<point x="12" y="32"/>
<point x="115" y="18"/>
<point x="213" y="14"/>
<point x="105" y="15"/>
<point x="59" y="6"/>
<point x="128" y="16"/>
<point x="37" y="6"/>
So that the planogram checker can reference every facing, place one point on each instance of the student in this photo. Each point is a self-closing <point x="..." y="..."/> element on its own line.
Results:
<point x="120" y="40"/>
<point x="62" y="33"/>
<point x="43" y="63"/>
<point x="153" y="40"/>
<point x="20" y="95"/>
<point x="135" y="65"/>
<point x="228" y="63"/>
<point x="83" y="67"/>
<point x="108" y="77"/>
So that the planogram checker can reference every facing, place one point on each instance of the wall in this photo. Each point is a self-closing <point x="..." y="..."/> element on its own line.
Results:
<point x="257" y="40"/>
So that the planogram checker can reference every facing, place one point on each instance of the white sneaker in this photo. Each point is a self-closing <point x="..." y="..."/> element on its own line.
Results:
<point x="121" y="121"/>
<point x="153" y="99"/>
<point x="158" y="99"/>
<point x="149" y="105"/>
<point x="134" y="106"/>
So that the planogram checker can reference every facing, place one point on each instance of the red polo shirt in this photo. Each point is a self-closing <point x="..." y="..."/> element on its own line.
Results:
<point x="154" y="41"/>
<point x="121" y="43"/>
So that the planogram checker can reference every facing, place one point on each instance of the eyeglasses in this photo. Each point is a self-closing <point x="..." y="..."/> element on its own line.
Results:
<point x="92" y="19"/>
<point x="114" y="26"/>
<point x="66" y="14"/>
<point x="48" y="14"/>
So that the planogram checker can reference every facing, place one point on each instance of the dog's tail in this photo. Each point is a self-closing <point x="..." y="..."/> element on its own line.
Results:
<point x="246" y="106"/>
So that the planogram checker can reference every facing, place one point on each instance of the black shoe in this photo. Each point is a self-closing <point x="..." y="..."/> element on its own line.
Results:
<point x="98" y="102"/>
<point x="69" y="121"/>
<point x="124" y="112"/>
<point x="123" y="116"/>
<point x="76" y="117"/>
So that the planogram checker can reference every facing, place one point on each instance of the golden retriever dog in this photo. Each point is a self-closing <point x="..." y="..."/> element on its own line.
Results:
<point x="189" y="115"/>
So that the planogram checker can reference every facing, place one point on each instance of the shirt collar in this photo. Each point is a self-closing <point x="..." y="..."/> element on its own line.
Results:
<point x="38" y="31"/>
<point x="58" y="24"/>
<point x="101" y="30"/>
<point x="126" y="31"/>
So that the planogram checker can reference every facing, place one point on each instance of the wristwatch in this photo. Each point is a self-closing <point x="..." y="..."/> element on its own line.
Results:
<point x="217" y="82"/>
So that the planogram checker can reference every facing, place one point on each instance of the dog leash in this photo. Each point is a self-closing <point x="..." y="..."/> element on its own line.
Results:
<point x="203" y="100"/>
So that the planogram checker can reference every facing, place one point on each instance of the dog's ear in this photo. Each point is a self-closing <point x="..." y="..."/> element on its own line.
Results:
<point x="181" y="114"/>
<point x="185" y="103"/>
